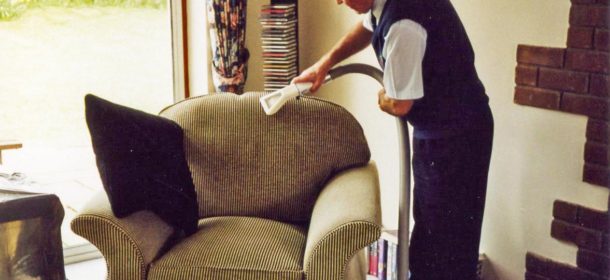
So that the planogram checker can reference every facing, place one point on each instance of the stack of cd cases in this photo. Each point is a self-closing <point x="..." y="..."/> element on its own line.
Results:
<point x="279" y="42"/>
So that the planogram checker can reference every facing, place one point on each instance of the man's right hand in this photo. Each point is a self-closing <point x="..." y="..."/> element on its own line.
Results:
<point x="356" y="40"/>
<point x="314" y="74"/>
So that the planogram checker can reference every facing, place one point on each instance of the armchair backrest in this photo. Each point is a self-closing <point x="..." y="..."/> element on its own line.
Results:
<point x="245" y="163"/>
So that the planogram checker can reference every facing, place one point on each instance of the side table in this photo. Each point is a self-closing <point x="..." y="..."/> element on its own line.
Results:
<point x="30" y="236"/>
<point x="7" y="145"/>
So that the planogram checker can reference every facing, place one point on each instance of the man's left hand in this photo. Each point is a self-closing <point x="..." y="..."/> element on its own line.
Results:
<point x="394" y="107"/>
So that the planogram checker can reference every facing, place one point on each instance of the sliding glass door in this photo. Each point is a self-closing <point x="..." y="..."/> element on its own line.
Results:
<point x="52" y="53"/>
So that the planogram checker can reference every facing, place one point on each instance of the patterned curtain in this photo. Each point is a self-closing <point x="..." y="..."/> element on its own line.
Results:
<point x="227" y="25"/>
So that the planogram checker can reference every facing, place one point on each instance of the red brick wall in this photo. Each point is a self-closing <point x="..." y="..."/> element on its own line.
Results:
<point x="586" y="228"/>
<point x="575" y="80"/>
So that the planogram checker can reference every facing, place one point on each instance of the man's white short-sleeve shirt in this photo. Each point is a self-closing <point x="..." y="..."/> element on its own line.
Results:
<point x="404" y="49"/>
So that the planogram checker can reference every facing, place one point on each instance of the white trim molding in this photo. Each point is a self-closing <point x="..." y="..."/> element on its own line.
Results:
<point x="79" y="253"/>
<point x="198" y="47"/>
<point x="178" y="53"/>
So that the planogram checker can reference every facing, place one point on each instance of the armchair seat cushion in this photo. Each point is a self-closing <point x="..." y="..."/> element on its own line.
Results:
<point x="235" y="248"/>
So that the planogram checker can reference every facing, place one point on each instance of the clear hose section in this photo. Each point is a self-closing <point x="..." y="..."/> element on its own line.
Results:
<point x="405" y="166"/>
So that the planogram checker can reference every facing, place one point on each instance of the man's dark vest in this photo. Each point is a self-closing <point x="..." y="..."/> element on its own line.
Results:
<point x="454" y="97"/>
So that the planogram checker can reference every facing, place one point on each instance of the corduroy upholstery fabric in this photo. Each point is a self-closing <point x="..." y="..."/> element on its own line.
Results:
<point x="358" y="266"/>
<point x="331" y="256"/>
<point x="245" y="163"/>
<point x="129" y="244"/>
<point x="227" y="248"/>
<point x="345" y="219"/>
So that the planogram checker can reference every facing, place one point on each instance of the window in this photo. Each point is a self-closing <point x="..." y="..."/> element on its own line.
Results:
<point x="53" y="52"/>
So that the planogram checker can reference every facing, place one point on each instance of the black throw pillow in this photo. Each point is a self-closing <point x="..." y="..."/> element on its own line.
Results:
<point x="141" y="161"/>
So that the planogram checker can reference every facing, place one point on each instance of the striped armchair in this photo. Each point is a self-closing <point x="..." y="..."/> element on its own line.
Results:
<point x="288" y="196"/>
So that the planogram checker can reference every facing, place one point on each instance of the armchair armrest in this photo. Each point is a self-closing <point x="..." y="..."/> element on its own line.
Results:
<point x="129" y="244"/>
<point x="345" y="219"/>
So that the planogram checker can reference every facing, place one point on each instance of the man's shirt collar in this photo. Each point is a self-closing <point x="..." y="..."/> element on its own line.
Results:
<point x="378" y="8"/>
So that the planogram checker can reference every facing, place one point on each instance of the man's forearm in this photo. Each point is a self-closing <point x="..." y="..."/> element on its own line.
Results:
<point x="394" y="107"/>
<point x="356" y="40"/>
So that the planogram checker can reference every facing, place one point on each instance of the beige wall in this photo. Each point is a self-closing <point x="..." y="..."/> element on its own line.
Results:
<point x="537" y="153"/>
<point x="255" y="80"/>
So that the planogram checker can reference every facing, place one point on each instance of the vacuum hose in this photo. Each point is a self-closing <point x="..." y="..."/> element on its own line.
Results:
<point x="404" y="167"/>
<point x="356" y="68"/>
<point x="274" y="101"/>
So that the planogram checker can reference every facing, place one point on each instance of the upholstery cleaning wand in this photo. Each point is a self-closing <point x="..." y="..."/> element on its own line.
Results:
<point x="274" y="101"/>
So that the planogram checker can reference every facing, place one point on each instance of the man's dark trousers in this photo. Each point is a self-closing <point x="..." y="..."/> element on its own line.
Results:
<point x="449" y="199"/>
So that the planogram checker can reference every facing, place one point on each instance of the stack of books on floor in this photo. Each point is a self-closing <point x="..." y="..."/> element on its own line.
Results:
<point x="383" y="259"/>
<point x="279" y="41"/>
<point x="382" y="256"/>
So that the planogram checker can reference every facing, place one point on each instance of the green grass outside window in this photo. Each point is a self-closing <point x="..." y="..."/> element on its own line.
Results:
<point x="12" y="9"/>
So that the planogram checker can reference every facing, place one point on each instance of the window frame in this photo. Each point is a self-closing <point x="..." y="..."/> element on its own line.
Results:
<point x="178" y="17"/>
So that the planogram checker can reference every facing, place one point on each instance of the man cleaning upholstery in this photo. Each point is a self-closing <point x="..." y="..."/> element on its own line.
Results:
<point x="430" y="81"/>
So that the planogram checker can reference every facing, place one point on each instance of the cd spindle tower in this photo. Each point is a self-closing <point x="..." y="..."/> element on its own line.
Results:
<point x="279" y="37"/>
